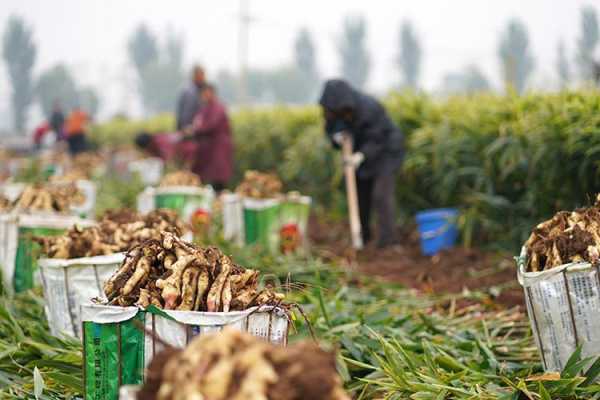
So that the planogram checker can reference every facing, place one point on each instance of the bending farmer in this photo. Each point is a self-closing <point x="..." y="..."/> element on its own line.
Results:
<point x="378" y="152"/>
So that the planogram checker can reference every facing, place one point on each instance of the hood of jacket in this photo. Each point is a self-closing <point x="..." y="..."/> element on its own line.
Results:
<point x="338" y="95"/>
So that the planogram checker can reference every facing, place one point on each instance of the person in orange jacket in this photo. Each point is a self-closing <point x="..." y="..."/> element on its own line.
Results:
<point x="75" y="129"/>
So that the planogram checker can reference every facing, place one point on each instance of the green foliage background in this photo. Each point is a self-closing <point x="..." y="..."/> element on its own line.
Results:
<point x="507" y="162"/>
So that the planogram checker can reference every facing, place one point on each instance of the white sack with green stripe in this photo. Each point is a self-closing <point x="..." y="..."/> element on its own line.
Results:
<point x="120" y="342"/>
<point x="70" y="283"/>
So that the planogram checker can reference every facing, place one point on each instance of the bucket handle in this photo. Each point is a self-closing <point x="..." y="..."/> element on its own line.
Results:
<point x="439" y="231"/>
<point x="436" y="232"/>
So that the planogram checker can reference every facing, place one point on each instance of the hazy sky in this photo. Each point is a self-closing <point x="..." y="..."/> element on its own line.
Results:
<point x="90" y="35"/>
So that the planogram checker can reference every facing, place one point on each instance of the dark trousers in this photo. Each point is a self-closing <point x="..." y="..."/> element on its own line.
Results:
<point x="378" y="191"/>
<point x="77" y="143"/>
<point x="218" y="186"/>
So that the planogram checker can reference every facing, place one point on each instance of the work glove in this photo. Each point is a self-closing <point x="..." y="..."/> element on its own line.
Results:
<point x="187" y="131"/>
<point x="355" y="159"/>
<point x="338" y="138"/>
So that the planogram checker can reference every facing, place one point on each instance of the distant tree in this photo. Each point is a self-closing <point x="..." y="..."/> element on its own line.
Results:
<point x="56" y="84"/>
<point x="19" y="52"/>
<point x="288" y="85"/>
<point x="409" y="58"/>
<point x="305" y="53"/>
<point x="88" y="100"/>
<point x="160" y="86"/>
<point x="516" y="59"/>
<point x="306" y="63"/>
<point x="587" y="42"/>
<point x="257" y="85"/>
<point x="174" y="45"/>
<point x="226" y="86"/>
<point x="159" y="70"/>
<point x="164" y="77"/>
<point x="470" y="80"/>
<point x="142" y="48"/>
<point x="354" y="55"/>
<point x="562" y="64"/>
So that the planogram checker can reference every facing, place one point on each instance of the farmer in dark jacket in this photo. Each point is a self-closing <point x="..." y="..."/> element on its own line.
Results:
<point x="189" y="100"/>
<point x="212" y="133"/>
<point x="378" y="152"/>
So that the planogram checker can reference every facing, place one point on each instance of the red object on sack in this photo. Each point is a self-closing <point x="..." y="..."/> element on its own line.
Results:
<point x="291" y="238"/>
<point x="200" y="221"/>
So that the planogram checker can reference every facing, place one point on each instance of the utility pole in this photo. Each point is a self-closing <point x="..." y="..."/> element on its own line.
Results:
<point x="244" y="24"/>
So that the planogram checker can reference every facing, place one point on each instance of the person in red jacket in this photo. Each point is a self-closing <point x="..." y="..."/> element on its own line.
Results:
<point x="212" y="133"/>
<point x="40" y="132"/>
<point x="167" y="146"/>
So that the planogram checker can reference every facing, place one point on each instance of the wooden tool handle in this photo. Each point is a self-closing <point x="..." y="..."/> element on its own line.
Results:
<point x="350" y="173"/>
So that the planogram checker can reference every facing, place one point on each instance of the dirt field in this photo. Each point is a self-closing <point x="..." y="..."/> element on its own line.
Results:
<point x="452" y="271"/>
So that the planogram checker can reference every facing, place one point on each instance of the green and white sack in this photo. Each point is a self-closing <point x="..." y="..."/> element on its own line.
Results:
<point x="563" y="304"/>
<point x="252" y="221"/>
<point x="19" y="253"/>
<point x="276" y="224"/>
<point x="70" y="283"/>
<point x="119" y="342"/>
<point x="188" y="201"/>
<point x="295" y="211"/>
<point x="262" y="222"/>
<point x="233" y="218"/>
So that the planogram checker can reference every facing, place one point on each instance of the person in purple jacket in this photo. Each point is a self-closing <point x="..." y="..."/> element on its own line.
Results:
<point x="211" y="131"/>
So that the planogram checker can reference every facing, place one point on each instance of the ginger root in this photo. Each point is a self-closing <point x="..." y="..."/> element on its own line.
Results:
<point x="260" y="185"/>
<point x="236" y="366"/>
<point x="175" y="275"/>
<point x="51" y="198"/>
<point x="565" y="238"/>
<point x="180" y="178"/>
<point x="116" y="232"/>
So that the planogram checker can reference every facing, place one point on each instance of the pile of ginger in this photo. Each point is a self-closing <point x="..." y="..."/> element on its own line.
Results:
<point x="116" y="232"/>
<point x="172" y="274"/>
<point x="232" y="365"/>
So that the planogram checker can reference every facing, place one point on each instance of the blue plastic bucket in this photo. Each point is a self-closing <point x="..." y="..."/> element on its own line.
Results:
<point x="437" y="229"/>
